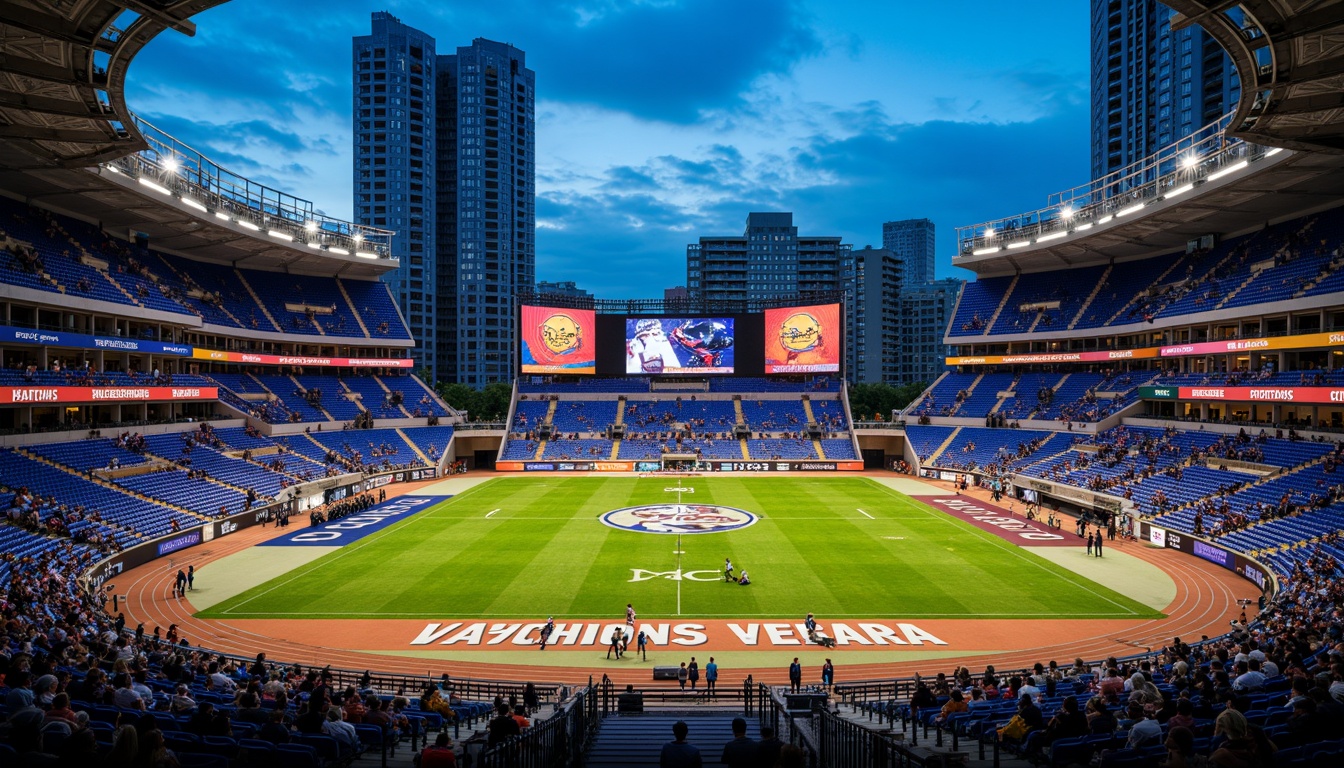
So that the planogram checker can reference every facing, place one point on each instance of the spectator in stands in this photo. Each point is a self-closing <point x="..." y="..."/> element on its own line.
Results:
<point x="742" y="751"/>
<point x="439" y="755"/>
<point x="274" y="729"/>
<point x="343" y="732"/>
<point x="502" y="727"/>
<point x="678" y="753"/>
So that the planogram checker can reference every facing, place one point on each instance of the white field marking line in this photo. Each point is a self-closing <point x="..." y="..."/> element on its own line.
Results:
<point x="1016" y="552"/>
<point x="865" y="514"/>
<point x="491" y="512"/>
<point x="367" y="540"/>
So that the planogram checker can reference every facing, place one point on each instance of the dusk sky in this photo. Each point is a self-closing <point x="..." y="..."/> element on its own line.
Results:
<point x="659" y="121"/>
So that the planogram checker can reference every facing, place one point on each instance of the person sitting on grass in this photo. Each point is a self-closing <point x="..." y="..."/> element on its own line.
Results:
<point x="744" y="580"/>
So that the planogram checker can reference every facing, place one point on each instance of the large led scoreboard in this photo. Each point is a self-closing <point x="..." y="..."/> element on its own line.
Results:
<point x="786" y="340"/>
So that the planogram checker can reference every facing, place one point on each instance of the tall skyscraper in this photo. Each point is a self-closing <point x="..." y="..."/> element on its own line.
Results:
<point x="912" y="240"/>
<point x="873" y="331"/>
<point x="445" y="155"/>
<point x="1151" y="85"/>
<point x="768" y="261"/>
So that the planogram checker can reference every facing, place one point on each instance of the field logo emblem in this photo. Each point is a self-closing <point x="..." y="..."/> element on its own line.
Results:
<point x="679" y="518"/>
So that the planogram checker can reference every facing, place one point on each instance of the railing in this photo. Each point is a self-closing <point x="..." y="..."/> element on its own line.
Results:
<point x="173" y="168"/>
<point x="772" y="710"/>
<point x="1171" y="171"/>
<point x="558" y="741"/>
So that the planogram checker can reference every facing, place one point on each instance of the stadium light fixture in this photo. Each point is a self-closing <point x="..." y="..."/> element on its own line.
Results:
<point x="193" y="204"/>
<point x="1273" y="151"/>
<point x="1189" y="161"/>
<point x="277" y="234"/>
<point x="1066" y="212"/>
<point x="156" y="187"/>
<point x="989" y="233"/>
<point x="112" y="168"/>
<point x="338" y="251"/>
<point x="366" y="255"/>
<point x="1083" y="227"/>
<point x="1019" y="244"/>
<point x="1229" y="169"/>
<point x="1105" y="219"/>
<point x="249" y="225"/>
<point x="170" y="164"/>
<point x="315" y="246"/>
<point x="358" y="238"/>
<point x="1051" y="236"/>
<point x="1177" y="192"/>
<point x="1128" y="210"/>
<point x="221" y="215"/>
<point x="310" y="226"/>
<point x="985" y="251"/>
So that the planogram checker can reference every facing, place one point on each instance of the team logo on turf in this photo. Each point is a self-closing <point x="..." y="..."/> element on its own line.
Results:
<point x="679" y="518"/>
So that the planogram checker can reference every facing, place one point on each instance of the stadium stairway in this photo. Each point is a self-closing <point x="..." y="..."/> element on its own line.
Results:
<point x="969" y="391"/>
<point x="386" y="389"/>
<point x="620" y="411"/>
<point x="807" y="409"/>
<point x="637" y="739"/>
<point x="615" y="449"/>
<point x="118" y="286"/>
<point x="942" y="447"/>
<point x="746" y="452"/>
<point x="741" y="417"/>
<point x="816" y="446"/>
<point x="1125" y="308"/>
<point x="364" y="329"/>
<point x="319" y="407"/>
<point x="417" y="450"/>
<point x="256" y="298"/>
<point x="1250" y="278"/>
<point x="1007" y="295"/>
<point x="1091" y="296"/>
<point x="913" y="407"/>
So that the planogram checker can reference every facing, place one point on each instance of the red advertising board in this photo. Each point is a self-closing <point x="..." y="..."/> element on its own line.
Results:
<point x="39" y="395"/>
<point x="321" y="362"/>
<point x="1308" y="395"/>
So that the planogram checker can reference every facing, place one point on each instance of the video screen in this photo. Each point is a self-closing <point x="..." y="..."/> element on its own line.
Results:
<point x="557" y="340"/>
<point x="692" y="346"/>
<point x="803" y="339"/>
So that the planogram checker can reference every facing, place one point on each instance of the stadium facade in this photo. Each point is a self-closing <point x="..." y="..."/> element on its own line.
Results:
<point x="456" y="177"/>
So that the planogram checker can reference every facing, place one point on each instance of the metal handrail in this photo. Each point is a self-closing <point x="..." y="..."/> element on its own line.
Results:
<point x="1189" y="160"/>
<point x="184" y="172"/>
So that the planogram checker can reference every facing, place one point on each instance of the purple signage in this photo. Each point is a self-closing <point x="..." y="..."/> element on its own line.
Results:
<point x="1210" y="553"/>
<point x="189" y="539"/>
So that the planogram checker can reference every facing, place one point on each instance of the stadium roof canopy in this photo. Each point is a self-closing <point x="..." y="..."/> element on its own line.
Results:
<point x="1289" y="55"/>
<point x="64" y="120"/>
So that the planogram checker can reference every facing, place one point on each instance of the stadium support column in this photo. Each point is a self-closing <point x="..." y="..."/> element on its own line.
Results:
<point x="1203" y="411"/>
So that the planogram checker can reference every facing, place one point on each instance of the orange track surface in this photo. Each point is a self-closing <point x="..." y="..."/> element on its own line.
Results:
<point x="1205" y="601"/>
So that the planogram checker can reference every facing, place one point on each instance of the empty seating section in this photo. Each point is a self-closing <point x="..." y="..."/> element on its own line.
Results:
<point x="373" y="300"/>
<point x="774" y="415"/>
<point x="375" y="447"/>
<point x="416" y="397"/>
<point x="941" y="398"/>
<point x="751" y="384"/>
<point x="298" y="301"/>
<point x="838" y="449"/>
<point x="519" y="450"/>
<point x="786" y="448"/>
<point x="238" y="439"/>
<point x="334" y="400"/>
<point x="1070" y="392"/>
<point x="831" y="414"/>
<point x="372" y="397"/>
<point x="924" y="440"/>
<point x="582" y="448"/>
<point x="979" y="301"/>
<point x="584" y="415"/>
<point x="978" y="448"/>
<point x="222" y="282"/>
<point x="528" y="414"/>
<point x="86" y="455"/>
<point x="985" y="395"/>
<point x="302" y="446"/>
<point x="1027" y="394"/>
<point x="1040" y="288"/>
<point x="432" y="441"/>
<point x="287" y="390"/>
<point x="200" y="496"/>
<point x="536" y="385"/>
<point x="123" y="509"/>
<point x="236" y="472"/>
<point x="633" y="449"/>
<point x="1119" y="290"/>
<point x="659" y="416"/>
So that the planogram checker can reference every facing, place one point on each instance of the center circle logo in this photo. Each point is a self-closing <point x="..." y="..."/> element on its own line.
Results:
<point x="679" y="518"/>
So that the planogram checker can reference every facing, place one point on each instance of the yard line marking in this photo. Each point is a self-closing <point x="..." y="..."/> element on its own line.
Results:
<point x="865" y="514"/>
<point x="491" y="512"/>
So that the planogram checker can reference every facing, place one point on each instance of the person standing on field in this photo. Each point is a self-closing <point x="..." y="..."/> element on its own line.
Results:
<point x="795" y="675"/>
<point x="711" y="676"/>
<point x="693" y="672"/>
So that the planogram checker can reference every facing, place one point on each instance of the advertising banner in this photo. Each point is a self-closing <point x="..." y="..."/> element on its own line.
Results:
<point x="1056" y="357"/>
<point x="40" y="395"/>
<point x="1306" y="395"/>
<point x="251" y="358"/>
<point x="1300" y="341"/>
<point x="803" y="339"/>
<point x="1243" y="566"/>
<point x="557" y="340"/>
<point x="667" y="346"/>
<point x="10" y="334"/>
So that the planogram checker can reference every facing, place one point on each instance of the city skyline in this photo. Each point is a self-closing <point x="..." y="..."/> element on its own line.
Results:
<point x="658" y="121"/>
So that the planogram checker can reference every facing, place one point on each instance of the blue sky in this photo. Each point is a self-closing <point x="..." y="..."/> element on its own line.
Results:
<point x="659" y="121"/>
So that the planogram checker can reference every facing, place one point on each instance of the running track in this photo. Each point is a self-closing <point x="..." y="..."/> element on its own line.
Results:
<point x="1206" y="599"/>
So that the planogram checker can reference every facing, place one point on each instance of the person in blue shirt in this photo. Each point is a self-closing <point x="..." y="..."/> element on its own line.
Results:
<point x="711" y="675"/>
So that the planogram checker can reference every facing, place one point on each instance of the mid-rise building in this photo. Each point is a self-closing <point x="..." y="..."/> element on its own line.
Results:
<point x="913" y="242"/>
<point x="566" y="289"/>
<point x="770" y="260"/>
<point x="1151" y="85"/>
<point x="445" y="155"/>
<point x="925" y="311"/>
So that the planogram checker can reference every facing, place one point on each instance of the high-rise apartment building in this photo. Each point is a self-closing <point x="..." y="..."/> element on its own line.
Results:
<point x="873" y="332"/>
<point x="768" y="261"/>
<point x="1151" y="85"/>
<point x="445" y="155"/>
<point x="912" y="240"/>
<point x="925" y="311"/>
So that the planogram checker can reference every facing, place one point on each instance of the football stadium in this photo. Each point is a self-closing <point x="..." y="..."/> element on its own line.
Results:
<point x="243" y="526"/>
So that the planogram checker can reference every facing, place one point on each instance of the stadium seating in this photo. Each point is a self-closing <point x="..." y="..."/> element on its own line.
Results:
<point x="376" y="308"/>
<point x="416" y="396"/>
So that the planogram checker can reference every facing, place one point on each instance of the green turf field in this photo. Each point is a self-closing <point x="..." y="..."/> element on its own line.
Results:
<point x="545" y="552"/>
